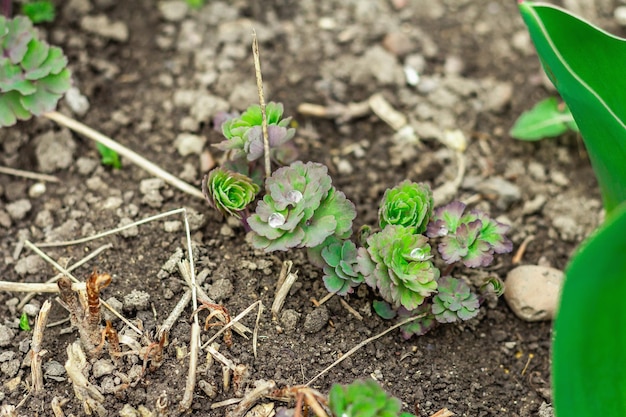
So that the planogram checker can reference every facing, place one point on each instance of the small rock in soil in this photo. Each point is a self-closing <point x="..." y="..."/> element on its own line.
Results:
<point x="54" y="370"/>
<point x="37" y="190"/>
<point x="220" y="289"/>
<point x="102" y="367"/>
<point x="620" y="15"/>
<point x="380" y="65"/>
<point x="173" y="11"/>
<point x="226" y="231"/>
<point x="5" y="219"/>
<point x="64" y="232"/>
<point x="132" y="231"/>
<point x="77" y="102"/>
<point x="85" y="165"/>
<point x="545" y="410"/>
<point x="532" y="291"/>
<point x="6" y="335"/>
<point x="54" y="150"/>
<point x="316" y="320"/>
<point x="7" y="355"/>
<point x="170" y="265"/>
<point x="31" y="309"/>
<point x="101" y="25"/>
<point x="507" y="192"/>
<point x="10" y="368"/>
<point x="188" y="144"/>
<point x="19" y="209"/>
<point x="289" y="320"/>
<point x="136" y="300"/>
<point x="29" y="265"/>
<point x="172" y="226"/>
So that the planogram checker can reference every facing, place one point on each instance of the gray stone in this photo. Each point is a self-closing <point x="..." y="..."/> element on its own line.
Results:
<point x="545" y="410"/>
<point x="196" y="219"/>
<point x="5" y="219"/>
<point x="380" y="65"/>
<point x="54" y="150"/>
<point x="54" y="370"/>
<point x="173" y="11"/>
<point x="65" y="231"/>
<point x="188" y="144"/>
<point x="289" y="320"/>
<point x="172" y="262"/>
<point x="102" y="367"/>
<point x="532" y="292"/>
<point x="132" y="231"/>
<point x="507" y="192"/>
<point x="6" y="335"/>
<point x="150" y="184"/>
<point x="206" y="106"/>
<point x="316" y="320"/>
<point x="136" y="300"/>
<point x="496" y="95"/>
<point x="221" y="289"/>
<point x="172" y="226"/>
<point x="19" y="209"/>
<point x="227" y="231"/>
<point x="10" y="368"/>
<point x="77" y="102"/>
<point x="102" y="26"/>
<point x="85" y="165"/>
<point x="7" y="355"/>
<point x="31" y="309"/>
<point x="29" y="265"/>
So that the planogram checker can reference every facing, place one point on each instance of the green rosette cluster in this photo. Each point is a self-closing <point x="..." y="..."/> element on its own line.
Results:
<point x="408" y="204"/>
<point x="33" y="74"/>
<point x="301" y="209"/>
<point x="398" y="263"/>
<point x="244" y="134"/>
<point x="454" y="301"/>
<point x="229" y="192"/>
<point x="363" y="399"/>
<point x="341" y="273"/>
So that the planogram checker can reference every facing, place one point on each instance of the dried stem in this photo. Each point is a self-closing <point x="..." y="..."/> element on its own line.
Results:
<point x="28" y="174"/>
<point x="132" y="156"/>
<point x="33" y="287"/>
<point x="262" y="389"/>
<point x="185" y="403"/>
<point x="35" y="347"/>
<point x="259" y="85"/>
<point x="360" y="345"/>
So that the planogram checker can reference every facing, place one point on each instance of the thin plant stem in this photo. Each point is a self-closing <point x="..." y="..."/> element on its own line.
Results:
<point x="28" y="174"/>
<point x="132" y="156"/>
<point x="259" y="84"/>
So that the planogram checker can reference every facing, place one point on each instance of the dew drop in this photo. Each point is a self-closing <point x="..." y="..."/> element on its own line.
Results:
<point x="275" y="220"/>
<point x="294" y="196"/>
<point x="420" y="254"/>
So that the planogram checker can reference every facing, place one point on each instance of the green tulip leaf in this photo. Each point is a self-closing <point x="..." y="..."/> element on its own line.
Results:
<point x="589" y="352"/>
<point x="586" y="65"/>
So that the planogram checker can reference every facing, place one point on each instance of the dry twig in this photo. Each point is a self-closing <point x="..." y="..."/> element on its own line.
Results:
<point x="35" y="348"/>
<point x="259" y="84"/>
<point x="263" y="388"/>
<point x="28" y="174"/>
<point x="90" y="396"/>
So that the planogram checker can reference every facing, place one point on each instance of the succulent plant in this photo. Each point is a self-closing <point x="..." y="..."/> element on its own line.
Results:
<point x="471" y="237"/>
<point x="33" y="75"/>
<point x="408" y="204"/>
<point x="301" y="209"/>
<point x="363" y="399"/>
<point x="398" y="263"/>
<point x="341" y="272"/>
<point x="228" y="192"/>
<point x="420" y="326"/>
<point x="454" y="301"/>
<point x="244" y="134"/>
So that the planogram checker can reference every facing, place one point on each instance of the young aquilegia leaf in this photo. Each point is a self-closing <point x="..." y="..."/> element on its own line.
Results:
<point x="24" y="325"/>
<point x="228" y="192"/>
<point x="109" y="157"/>
<point x="363" y="399"/>
<point x="39" y="11"/>
<point x="33" y="75"/>
<point x="398" y="263"/>
<point x="301" y="209"/>
<point x="341" y="272"/>
<point x="454" y="301"/>
<point x="545" y="120"/>
<point x="407" y="204"/>
<point x="471" y="238"/>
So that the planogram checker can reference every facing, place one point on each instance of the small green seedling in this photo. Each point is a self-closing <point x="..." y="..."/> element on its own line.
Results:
<point x="363" y="399"/>
<point x="24" y="325"/>
<point x="109" y="157"/>
<point x="195" y="4"/>
<point x="229" y="192"/>
<point x="589" y="352"/>
<point x="33" y="74"/>
<point x="39" y="11"/>
<point x="546" y="119"/>
<point x="408" y="205"/>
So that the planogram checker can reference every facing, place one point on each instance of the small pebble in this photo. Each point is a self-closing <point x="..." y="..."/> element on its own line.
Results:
<point x="54" y="370"/>
<point x="37" y="190"/>
<point x="31" y="309"/>
<point x="188" y="144"/>
<point x="29" y="265"/>
<point x="6" y="335"/>
<point x="10" y="368"/>
<point x="289" y="320"/>
<point x="101" y="25"/>
<point x="19" y="209"/>
<point x="173" y="11"/>
<point x="77" y="102"/>
<point x="172" y="226"/>
<point x="316" y="320"/>
<point x="102" y="367"/>
<point x="131" y="231"/>
<point x="221" y="289"/>
<point x="532" y="292"/>
<point x="620" y="15"/>
<point x="136" y="300"/>
<point x="226" y="231"/>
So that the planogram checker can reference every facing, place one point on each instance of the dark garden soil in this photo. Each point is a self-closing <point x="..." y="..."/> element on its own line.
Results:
<point x="173" y="73"/>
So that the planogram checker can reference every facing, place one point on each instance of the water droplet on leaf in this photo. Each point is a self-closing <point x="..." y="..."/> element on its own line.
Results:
<point x="275" y="220"/>
<point x="294" y="196"/>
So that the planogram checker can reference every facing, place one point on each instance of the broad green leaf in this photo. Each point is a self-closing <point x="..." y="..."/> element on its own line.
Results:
<point x="39" y="11"/>
<point x="586" y="65"/>
<point x="589" y="352"/>
<point x="11" y="109"/>
<point x="544" y="120"/>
